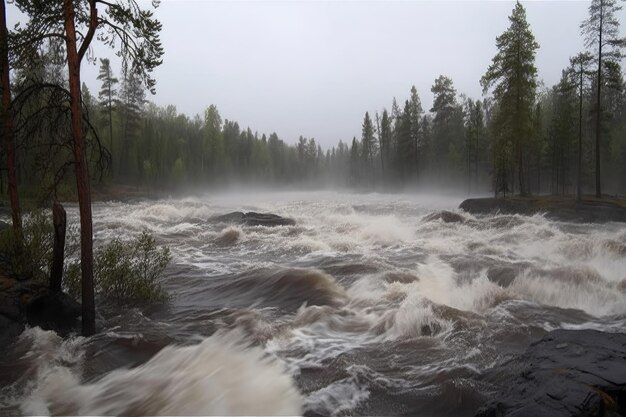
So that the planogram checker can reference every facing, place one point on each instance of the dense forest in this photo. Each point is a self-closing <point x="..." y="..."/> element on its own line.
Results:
<point x="520" y="137"/>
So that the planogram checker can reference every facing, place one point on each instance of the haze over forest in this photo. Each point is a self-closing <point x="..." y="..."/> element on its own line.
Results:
<point x="440" y="137"/>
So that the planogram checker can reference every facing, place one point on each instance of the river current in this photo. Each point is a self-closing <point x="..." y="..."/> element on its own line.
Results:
<point x="372" y="304"/>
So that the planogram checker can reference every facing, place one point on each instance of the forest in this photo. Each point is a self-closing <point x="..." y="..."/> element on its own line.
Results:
<point x="520" y="137"/>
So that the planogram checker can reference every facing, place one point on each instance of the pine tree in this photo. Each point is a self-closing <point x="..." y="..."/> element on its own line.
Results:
<point x="601" y="31"/>
<point x="513" y="75"/>
<point x="367" y="146"/>
<point x="107" y="97"/>
<point x="579" y="71"/>
<point x="384" y="139"/>
<point x="355" y="162"/>
<point x="415" y="106"/>
<point x="133" y="100"/>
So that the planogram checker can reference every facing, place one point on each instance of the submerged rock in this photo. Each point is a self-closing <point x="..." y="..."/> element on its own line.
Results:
<point x="567" y="373"/>
<point x="445" y="216"/>
<point x="53" y="311"/>
<point x="255" y="219"/>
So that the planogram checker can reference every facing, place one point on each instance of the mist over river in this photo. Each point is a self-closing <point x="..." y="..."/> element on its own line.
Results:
<point x="372" y="304"/>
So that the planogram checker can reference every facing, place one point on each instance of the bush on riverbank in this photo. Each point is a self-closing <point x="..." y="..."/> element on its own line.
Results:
<point x="31" y="259"/>
<point x="126" y="271"/>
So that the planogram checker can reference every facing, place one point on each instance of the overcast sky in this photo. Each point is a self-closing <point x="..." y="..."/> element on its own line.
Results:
<point x="313" y="68"/>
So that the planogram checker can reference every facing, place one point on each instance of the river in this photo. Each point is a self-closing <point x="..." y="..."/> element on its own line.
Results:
<point x="372" y="304"/>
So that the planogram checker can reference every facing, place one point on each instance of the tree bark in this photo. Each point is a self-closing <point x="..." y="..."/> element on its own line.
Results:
<point x="16" y="214"/>
<point x="59" y="221"/>
<point x="81" y="172"/>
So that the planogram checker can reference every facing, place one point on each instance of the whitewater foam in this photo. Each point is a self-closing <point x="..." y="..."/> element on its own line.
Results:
<point x="222" y="375"/>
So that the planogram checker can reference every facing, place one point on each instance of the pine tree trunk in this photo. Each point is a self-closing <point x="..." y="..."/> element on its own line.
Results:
<point x="82" y="176"/>
<point x="111" y="128"/>
<point x="16" y="215"/>
<point x="598" y="106"/>
<point x="579" y="178"/>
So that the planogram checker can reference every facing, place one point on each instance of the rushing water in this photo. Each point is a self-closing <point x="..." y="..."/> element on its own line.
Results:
<point x="371" y="304"/>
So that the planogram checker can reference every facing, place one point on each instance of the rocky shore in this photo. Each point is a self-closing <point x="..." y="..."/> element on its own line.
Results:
<point x="568" y="373"/>
<point x="558" y="208"/>
<point x="32" y="303"/>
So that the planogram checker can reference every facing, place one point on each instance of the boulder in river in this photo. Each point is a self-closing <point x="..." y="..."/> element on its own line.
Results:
<point x="33" y="303"/>
<point x="255" y="219"/>
<point x="445" y="216"/>
<point x="567" y="373"/>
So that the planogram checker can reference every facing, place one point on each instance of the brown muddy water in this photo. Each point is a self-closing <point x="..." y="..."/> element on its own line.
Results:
<point x="370" y="305"/>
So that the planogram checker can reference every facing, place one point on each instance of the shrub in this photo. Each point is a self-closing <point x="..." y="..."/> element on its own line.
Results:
<point x="31" y="259"/>
<point x="125" y="271"/>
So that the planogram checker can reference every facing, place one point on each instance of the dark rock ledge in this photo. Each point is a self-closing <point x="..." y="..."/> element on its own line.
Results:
<point x="579" y="373"/>
<point x="558" y="208"/>
<point x="31" y="303"/>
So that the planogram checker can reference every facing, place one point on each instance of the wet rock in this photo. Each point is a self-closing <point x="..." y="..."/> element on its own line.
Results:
<point x="4" y="225"/>
<point x="33" y="303"/>
<point x="445" y="216"/>
<point x="255" y="219"/>
<point x="9" y="330"/>
<point x="557" y="208"/>
<point x="53" y="311"/>
<point x="567" y="373"/>
<point x="502" y="275"/>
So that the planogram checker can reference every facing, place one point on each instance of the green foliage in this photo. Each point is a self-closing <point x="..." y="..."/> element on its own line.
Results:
<point x="125" y="271"/>
<point x="513" y="76"/>
<point x="178" y="170"/>
<point x="32" y="258"/>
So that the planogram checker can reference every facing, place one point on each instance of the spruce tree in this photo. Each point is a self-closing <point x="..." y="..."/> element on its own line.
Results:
<point x="513" y="76"/>
<point x="415" y="117"/>
<point x="107" y="97"/>
<point x="579" y="71"/>
<point x="384" y="137"/>
<point x="367" y="145"/>
<point x="601" y="32"/>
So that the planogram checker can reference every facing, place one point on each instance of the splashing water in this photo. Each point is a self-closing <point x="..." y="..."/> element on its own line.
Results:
<point x="370" y="304"/>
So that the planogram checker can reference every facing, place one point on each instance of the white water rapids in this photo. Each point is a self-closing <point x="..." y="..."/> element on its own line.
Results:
<point x="370" y="304"/>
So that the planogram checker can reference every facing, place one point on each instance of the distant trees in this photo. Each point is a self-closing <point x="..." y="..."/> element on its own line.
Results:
<point x="579" y="72"/>
<point x="447" y="138"/>
<point x="368" y="144"/>
<point x="601" y="32"/>
<point x="562" y="133"/>
<point x="512" y="74"/>
<point x="384" y="139"/>
<point x="107" y="97"/>
<point x="518" y="137"/>
<point x="476" y="141"/>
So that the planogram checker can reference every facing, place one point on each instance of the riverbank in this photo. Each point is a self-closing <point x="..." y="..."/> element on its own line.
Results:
<point x="562" y="208"/>
<point x="566" y="373"/>
<point x="29" y="302"/>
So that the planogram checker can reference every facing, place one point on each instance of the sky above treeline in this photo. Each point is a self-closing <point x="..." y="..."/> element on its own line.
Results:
<point x="313" y="68"/>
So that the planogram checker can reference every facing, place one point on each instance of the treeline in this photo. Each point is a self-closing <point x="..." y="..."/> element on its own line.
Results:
<point x="520" y="137"/>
